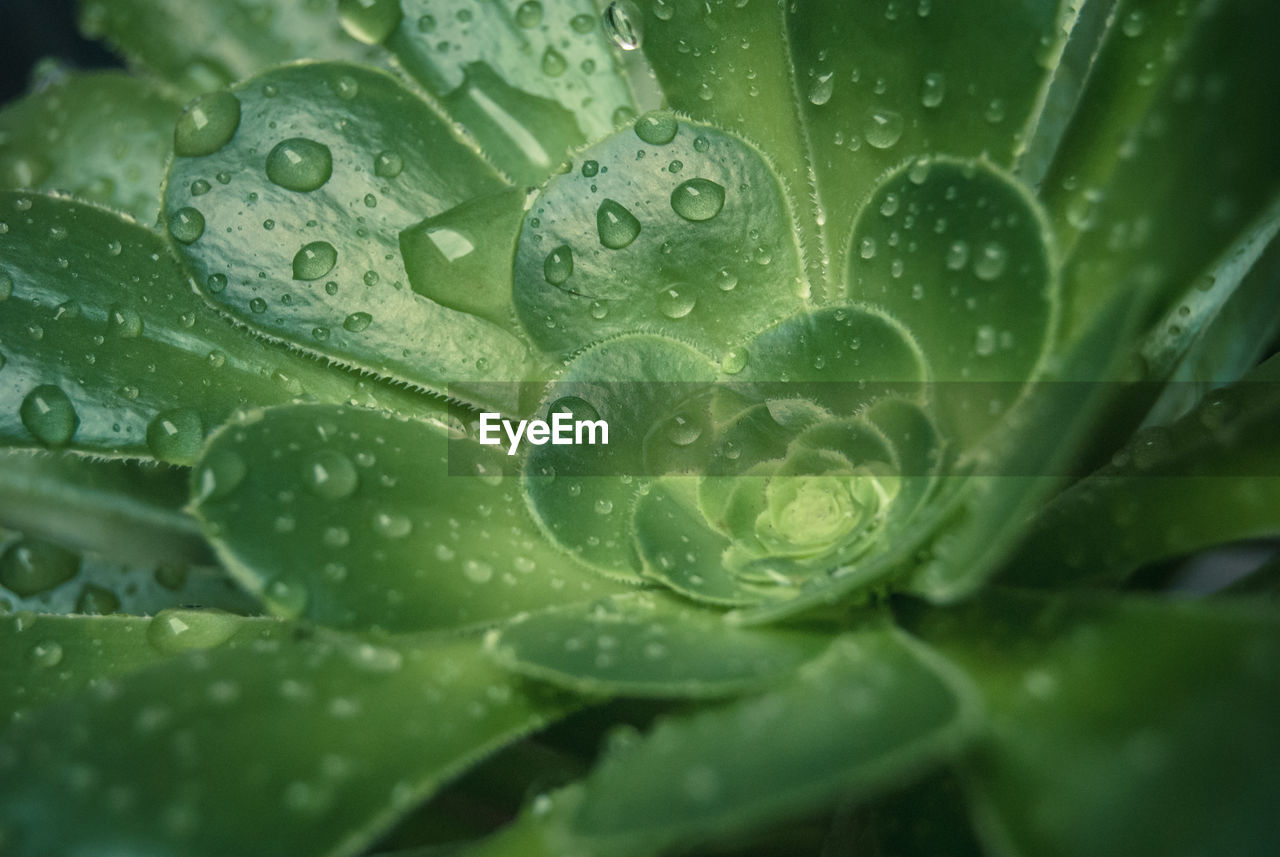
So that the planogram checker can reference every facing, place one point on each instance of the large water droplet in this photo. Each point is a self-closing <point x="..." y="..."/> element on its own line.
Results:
<point x="558" y="266"/>
<point x="314" y="260"/>
<point x="676" y="301"/>
<point x="206" y="124"/>
<point x="369" y="21"/>
<point x="300" y="164"/>
<point x="186" y="224"/>
<point x="622" y="25"/>
<point x="48" y="414"/>
<point x="529" y="14"/>
<point x="657" y="128"/>
<point x="683" y="430"/>
<point x="124" y="322"/>
<point x="175" y="435"/>
<point x="883" y="128"/>
<point x="220" y="474"/>
<point x="357" y="322"/>
<point x="331" y="475"/>
<point x="616" y="226"/>
<point x="175" y="631"/>
<point x="698" y="199"/>
<point x="30" y="566"/>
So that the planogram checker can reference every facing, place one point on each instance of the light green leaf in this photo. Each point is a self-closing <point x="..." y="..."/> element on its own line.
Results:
<point x="338" y="735"/>
<point x="289" y="215"/>
<point x="668" y="226"/>
<point x="105" y="349"/>
<point x="1207" y="479"/>
<point x="529" y="80"/>
<point x="878" y="84"/>
<point x="354" y="519"/>
<point x="203" y="45"/>
<point x="1103" y="711"/>
<point x="103" y="137"/>
<point x="647" y="644"/>
<point x="872" y="713"/>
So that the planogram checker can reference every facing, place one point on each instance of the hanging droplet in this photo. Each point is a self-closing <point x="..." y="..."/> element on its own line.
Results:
<point x="698" y="200"/>
<point x="622" y="25"/>
<point x="300" y="164"/>
<point x="369" y="21"/>
<point x="206" y="124"/>
<point x="314" y="261"/>
<point x="616" y="226"/>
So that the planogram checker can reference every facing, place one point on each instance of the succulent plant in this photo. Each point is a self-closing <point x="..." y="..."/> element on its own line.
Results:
<point x="927" y="336"/>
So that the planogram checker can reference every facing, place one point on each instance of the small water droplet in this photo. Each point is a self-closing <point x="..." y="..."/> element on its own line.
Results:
<point x="599" y="309"/>
<point x="622" y="25"/>
<point x="603" y="506"/>
<point x="933" y="90"/>
<point x="314" y="261"/>
<point x="299" y="164"/>
<point x="369" y="21"/>
<point x="529" y="14"/>
<point x="206" y="124"/>
<point x="388" y="165"/>
<point x="357" y="321"/>
<point x="175" y="435"/>
<point x="582" y="23"/>
<point x="216" y="283"/>
<point x="6" y="286"/>
<point x="734" y="361"/>
<point x="330" y="474"/>
<point x="558" y="266"/>
<point x="676" y="301"/>
<point x="697" y="200"/>
<point x="1134" y="23"/>
<point x="346" y="88"/>
<point x="683" y="430"/>
<point x="821" y="88"/>
<point x="553" y="63"/>
<point x="590" y="169"/>
<point x="984" y="341"/>
<point x="186" y="225"/>
<point x="392" y="525"/>
<point x="48" y="414"/>
<point x="990" y="263"/>
<point x="258" y="305"/>
<point x="200" y="187"/>
<point x="616" y="226"/>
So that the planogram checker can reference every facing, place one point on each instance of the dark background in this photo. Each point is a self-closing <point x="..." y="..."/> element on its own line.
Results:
<point x="32" y="29"/>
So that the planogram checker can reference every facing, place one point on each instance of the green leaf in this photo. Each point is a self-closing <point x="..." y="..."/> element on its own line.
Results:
<point x="289" y="215"/>
<point x="1165" y="161"/>
<point x="646" y="644"/>
<point x="872" y="713"/>
<point x="354" y="519"/>
<point x="668" y="226"/>
<point x="1207" y="479"/>
<point x="44" y="659"/>
<point x="1103" y="711"/>
<point x="103" y="137"/>
<point x="117" y="508"/>
<point x="107" y="350"/>
<point x="339" y="735"/>
<point x="203" y="45"/>
<point x="879" y="84"/>
<point x="974" y="282"/>
<point x="530" y="81"/>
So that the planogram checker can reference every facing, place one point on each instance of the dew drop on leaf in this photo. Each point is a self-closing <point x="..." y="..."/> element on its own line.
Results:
<point x="175" y="435"/>
<point x="175" y="631"/>
<point x="46" y="654"/>
<point x="299" y="164"/>
<point x="883" y="128"/>
<point x="558" y="266"/>
<point x="622" y="25"/>
<point x="329" y="474"/>
<point x="357" y="322"/>
<point x="933" y="90"/>
<point x="30" y="566"/>
<point x="616" y="226"/>
<point x="314" y="260"/>
<point x="388" y="165"/>
<point x="529" y="14"/>
<point x="821" y="89"/>
<point x="206" y="124"/>
<point x="657" y="128"/>
<point x="369" y="21"/>
<point x="676" y="301"/>
<point x="698" y="200"/>
<point x="186" y="225"/>
<point x="553" y="63"/>
<point x="48" y="414"/>
<point x="991" y="261"/>
<point x="582" y="23"/>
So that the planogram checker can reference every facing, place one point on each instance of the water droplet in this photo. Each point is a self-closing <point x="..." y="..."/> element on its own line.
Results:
<point x="331" y="475"/>
<point x="48" y="414"/>
<point x="388" y="165"/>
<point x="369" y="21"/>
<point x="392" y="525"/>
<point x="984" y="341"/>
<point x="821" y="89"/>
<point x="124" y="322"/>
<point x="889" y="206"/>
<point x="883" y="128"/>
<point x="286" y="598"/>
<point x="991" y="261"/>
<point x="96" y="601"/>
<point x="45" y="655"/>
<point x="867" y="248"/>
<point x="683" y="430"/>
<point x="553" y="63"/>
<point x="558" y="266"/>
<point x="30" y="566"/>
<point x="529" y="14"/>
<point x="216" y="283"/>
<point x="200" y="187"/>
<point x="1134" y="23"/>
<point x="314" y="260"/>
<point x="206" y="124"/>
<point x="622" y="25"/>
<point x="734" y="361"/>
<point x="657" y="128"/>
<point x="299" y="164"/>
<point x="582" y="23"/>
<point x="995" y="111"/>
<point x="357" y="321"/>
<point x="957" y="255"/>
<point x="676" y="301"/>
<point x="590" y="169"/>
<point x="698" y="200"/>
<point x="603" y="506"/>
<point x="933" y="90"/>
<point x="346" y="87"/>
<point x="186" y="224"/>
<point x="258" y="305"/>
<point x="477" y="571"/>
<point x="616" y="226"/>
<point x="175" y="435"/>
